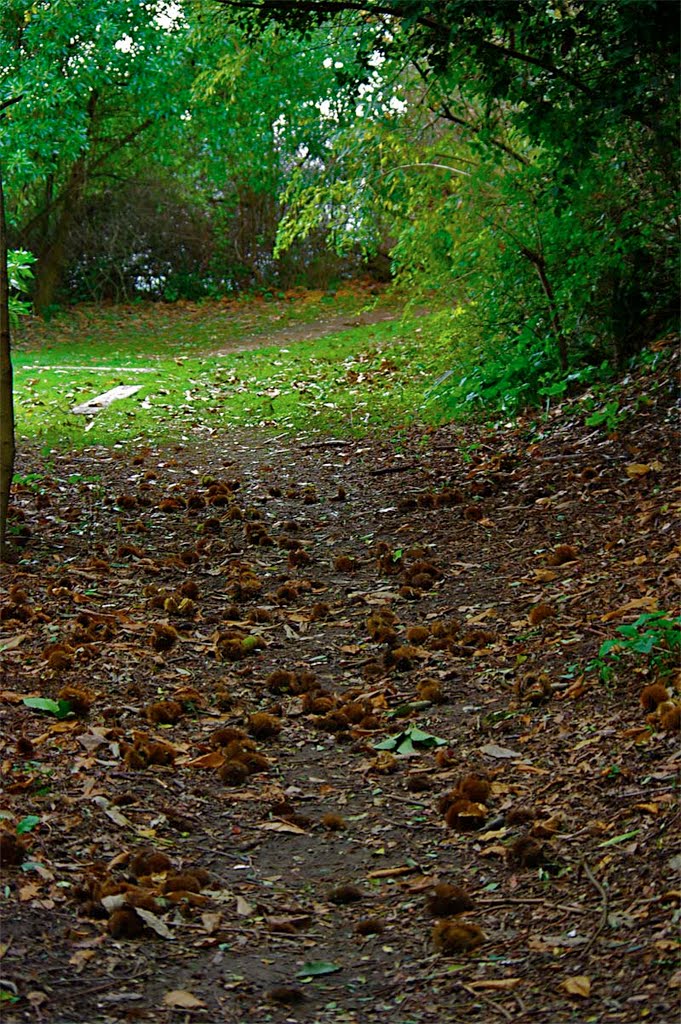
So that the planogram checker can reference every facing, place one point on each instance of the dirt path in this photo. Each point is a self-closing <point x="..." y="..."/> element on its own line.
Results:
<point x="239" y="822"/>
<point x="308" y="332"/>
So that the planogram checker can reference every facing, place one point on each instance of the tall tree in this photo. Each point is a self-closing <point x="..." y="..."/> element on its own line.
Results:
<point x="552" y="196"/>
<point x="105" y="82"/>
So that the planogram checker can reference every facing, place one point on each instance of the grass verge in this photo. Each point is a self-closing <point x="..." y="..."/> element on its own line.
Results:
<point x="355" y="378"/>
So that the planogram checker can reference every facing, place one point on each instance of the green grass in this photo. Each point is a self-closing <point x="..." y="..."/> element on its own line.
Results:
<point x="371" y="376"/>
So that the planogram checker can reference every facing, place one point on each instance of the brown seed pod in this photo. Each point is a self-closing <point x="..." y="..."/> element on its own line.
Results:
<point x="520" y="815"/>
<point x="345" y="563"/>
<point x="149" y="862"/>
<point x="456" y="937"/>
<point x="334" y="721"/>
<point x="24" y="747"/>
<point x="333" y="822"/>
<point x="260" y="615"/>
<point x="183" y="881"/>
<point x="124" y="923"/>
<point x="297" y="557"/>
<point x="60" y="657"/>
<point x="256" y="762"/>
<point x="431" y="690"/>
<point x="233" y="773"/>
<point x="345" y="894"/>
<point x="263" y="726"/>
<point x="161" y="754"/>
<point x="418" y="783"/>
<point x="474" y="787"/>
<point x="80" y="698"/>
<point x="465" y="816"/>
<point x="190" y="589"/>
<point x="164" y="712"/>
<point x="448" y="900"/>
<point x="286" y="995"/>
<point x="653" y="695"/>
<point x="533" y="687"/>
<point x="280" y="681"/>
<point x="164" y="637"/>
<point x="526" y="852"/>
<point x="12" y="850"/>
<point x="561" y="554"/>
<point x="670" y="716"/>
<point x="400" y="658"/>
<point x="417" y="634"/>
<point x="369" y="926"/>
<point x="228" y="734"/>
<point x="539" y="613"/>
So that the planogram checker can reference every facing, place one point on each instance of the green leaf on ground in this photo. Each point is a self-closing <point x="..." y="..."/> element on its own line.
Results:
<point x="315" y="968"/>
<point x="58" y="708"/>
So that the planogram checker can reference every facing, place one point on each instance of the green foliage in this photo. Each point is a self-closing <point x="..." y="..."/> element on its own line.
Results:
<point x="653" y="639"/>
<point x="20" y="274"/>
<point x="27" y="824"/>
<point x="58" y="708"/>
<point x="518" y="158"/>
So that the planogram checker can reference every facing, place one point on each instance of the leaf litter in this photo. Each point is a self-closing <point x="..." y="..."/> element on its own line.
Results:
<point x="320" y="732"/>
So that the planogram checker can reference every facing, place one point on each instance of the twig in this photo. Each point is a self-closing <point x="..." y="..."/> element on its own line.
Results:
<point x="486" y="999"/>
<point x="516" y="901"/>
<point x="604" y="903"/>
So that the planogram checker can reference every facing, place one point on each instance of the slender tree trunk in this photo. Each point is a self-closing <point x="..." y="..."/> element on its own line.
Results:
<point x="7" y="445"/>
<point x="539" y="264"/>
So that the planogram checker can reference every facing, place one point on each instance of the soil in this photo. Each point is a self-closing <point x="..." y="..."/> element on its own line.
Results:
<point x="442" y="596"/>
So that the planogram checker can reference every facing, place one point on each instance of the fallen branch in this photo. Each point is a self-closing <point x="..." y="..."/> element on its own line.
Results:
<point x="604" y="902"/>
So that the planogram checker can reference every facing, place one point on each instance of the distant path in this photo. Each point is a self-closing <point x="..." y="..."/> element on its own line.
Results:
<point x="309" y="332"/>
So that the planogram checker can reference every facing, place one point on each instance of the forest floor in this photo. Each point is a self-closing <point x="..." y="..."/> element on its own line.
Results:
<point x="317" y="730"/>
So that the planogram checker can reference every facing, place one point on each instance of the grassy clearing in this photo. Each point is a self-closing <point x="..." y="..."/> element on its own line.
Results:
<point x="369" y="376"/>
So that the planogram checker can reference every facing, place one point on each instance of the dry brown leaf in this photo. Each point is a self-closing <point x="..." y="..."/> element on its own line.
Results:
<point x="495" y="985"/>
<point x="154" y="922"/>
<point x="181" y="999"/>
<point x="647" y="603"/>
<point x="637" y="469"/>
<point x="282" y="826"/>
<point x="211" y="921"/>
<point x="545" y="575"/>
<point x="29" y="892"/>
<point x="243" y="907"/>
<point x="579" y="985"/>
<point x="213" y="760"/>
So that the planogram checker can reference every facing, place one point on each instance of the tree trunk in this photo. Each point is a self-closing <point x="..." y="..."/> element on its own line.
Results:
<point x="7" y="446"/>
<point x="50" y="263"/>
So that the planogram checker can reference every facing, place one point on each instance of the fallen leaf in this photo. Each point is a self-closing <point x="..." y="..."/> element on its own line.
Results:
<point x="494" y="750"/>
<point x="243" y="907"/>
<point x="213" y="760"/>
<point x="495" y="984"/>
<point x="637" y="469"/>
<point x="211" y="921"/>
<point x="315" y="968"/>
<point x="154" y="922"/>
<point x="282" y="826"/>
<point x="649" y="603"/>
<point x="181" y="999"/>
<point x="579" y="985"/>
<point x="9" y="645"/>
